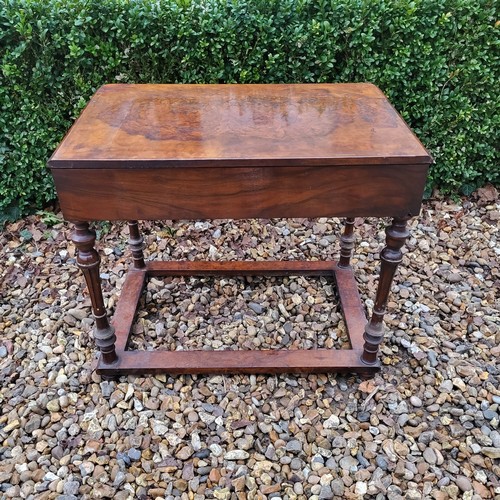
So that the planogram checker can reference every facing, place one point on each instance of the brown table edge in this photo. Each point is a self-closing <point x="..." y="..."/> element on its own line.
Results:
<point x="140" y="163"/>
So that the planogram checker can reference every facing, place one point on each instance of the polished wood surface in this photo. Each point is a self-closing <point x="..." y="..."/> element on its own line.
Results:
<point x="238" y="151"/>
<point x="239" y="193"/>
<point x="238" y="125"/>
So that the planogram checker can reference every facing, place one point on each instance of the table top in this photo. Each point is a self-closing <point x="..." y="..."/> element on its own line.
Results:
<point x="174" y="125"/>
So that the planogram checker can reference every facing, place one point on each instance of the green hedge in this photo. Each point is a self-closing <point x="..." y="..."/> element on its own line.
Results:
<point x="437" y="60"/>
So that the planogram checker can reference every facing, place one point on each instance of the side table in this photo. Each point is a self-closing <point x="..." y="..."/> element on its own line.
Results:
<point x="152" y="152"/>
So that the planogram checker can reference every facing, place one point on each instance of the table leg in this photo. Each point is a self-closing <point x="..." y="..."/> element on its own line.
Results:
<point x="391" y="256"/>
<point x="346" y="244"/>
<point x="136" y="243"/>
<point x="88" y="261"/>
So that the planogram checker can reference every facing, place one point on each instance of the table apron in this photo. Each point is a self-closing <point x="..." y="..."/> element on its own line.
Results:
<point x="239" y="193"/>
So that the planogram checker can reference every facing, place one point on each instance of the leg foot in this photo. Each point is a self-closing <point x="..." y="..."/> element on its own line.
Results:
<point x="391" y="256"/>
<point x="88" y="261"/>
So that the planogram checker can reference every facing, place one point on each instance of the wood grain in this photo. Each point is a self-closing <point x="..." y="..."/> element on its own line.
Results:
<point x="236" y="193"/>
<point x="262" y="361"/>
<point x="239" y="151"/>
<point x="143" y="126"/>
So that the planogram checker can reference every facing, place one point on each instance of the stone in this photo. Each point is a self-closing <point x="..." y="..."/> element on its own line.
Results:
<point x="416" y="401"/>
<point x="184" y="453"/>
<point x="14" y="424"/>
<point x="236" y="455"/>
<point x="294" y="446"/>
<point x="363" y="416"/>
<point x="222" y="494"/>
<point x="216" y="450"/>
<point x="134" y="454"/>
<point x="349" y="463"/>
<point x="332" y="422"/>
<point x="430" y="456"/>
<point x="490" y="414"/>
<point x="256" y="308"/>
<point x="463" y="483"/>
<point x="160" y="428"/>
<point x="361" y="488"/>
<point x="430" y="431"/>
<point x="491" y="452"/>
<point x="53" y="405"/>
<point x="101" y="490"/>
<point x="381" y="462"/>
<point x="337" y="487"/>
<point x="325" y="493"/>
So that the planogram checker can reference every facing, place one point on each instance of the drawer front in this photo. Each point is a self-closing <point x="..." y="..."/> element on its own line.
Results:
<point x="236" y="193"/>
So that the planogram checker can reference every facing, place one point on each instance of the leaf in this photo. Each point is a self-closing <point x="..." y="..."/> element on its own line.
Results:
<point x="26" y="234"/>
<point x="367" y="386"/>
<point x="488" y="193"/>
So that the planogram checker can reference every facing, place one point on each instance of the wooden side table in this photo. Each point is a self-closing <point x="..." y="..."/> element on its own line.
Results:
<point x="151" y="152"/>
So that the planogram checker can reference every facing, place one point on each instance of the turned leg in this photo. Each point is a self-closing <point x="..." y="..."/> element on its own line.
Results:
<point x="88" y="261"/>
<point x="136" y="243"/>
<point x="391" y="256"/>
<point x="347" y="244"/>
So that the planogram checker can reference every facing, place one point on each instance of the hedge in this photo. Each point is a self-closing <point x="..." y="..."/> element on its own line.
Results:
<point x="437" y="60"/>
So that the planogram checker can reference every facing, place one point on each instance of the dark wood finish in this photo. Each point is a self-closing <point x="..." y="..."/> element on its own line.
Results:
<point x="241" y="268"/>
<point x="347" y="243"/>
<point x="148" y="152"/>
<point x="272" y="361"/>
<point x="239" y="193"/>
<point x="143" y="126"/>
<point x="136" y="243"/>
<point x="262" y="361"/>
<point x="127" y="306"/>
<point x="352" y="307"/>
<point x="88" y="261"/>
<point x="391" y="256"/>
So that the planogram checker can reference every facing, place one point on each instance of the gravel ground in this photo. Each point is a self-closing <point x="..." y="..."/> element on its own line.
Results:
<point x="426" y="427"/>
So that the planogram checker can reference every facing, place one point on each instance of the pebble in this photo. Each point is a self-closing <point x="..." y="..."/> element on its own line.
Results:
<point x="491" y="452"/>
<point x="430" y="456"/>
<point x="71" y="487"/>
<point x="463" y="483"/>
<point x="184" y="453"/>
<point x="361" y="488"/>
<point x="325" y="492"/>
<point x="53" y="405"/>
<point x="349" y="463"/>
<point x="490" y="414"/>
<point x="416" y="401"/>
<point x="236" y="455"/>
<point x="381" y="462"/>
<point x="256" y="308"/>
<point x="216" y="450"/>
<point x="134" y="454"/>
<point x="426" y="426"/>
<point x="294" y="446"/>
<point x="363" y="416"/>
<point x="332" y="422"/>
<point x="338" y="487"/>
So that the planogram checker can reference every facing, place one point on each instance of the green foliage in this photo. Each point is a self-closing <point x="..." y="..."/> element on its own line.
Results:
<point x="49" y="218"/>
<point x="437" y="60"/>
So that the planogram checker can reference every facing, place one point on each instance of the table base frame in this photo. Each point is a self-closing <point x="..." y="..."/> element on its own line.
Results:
<point x="239" y="361"/>
<point x="364" y="337"/>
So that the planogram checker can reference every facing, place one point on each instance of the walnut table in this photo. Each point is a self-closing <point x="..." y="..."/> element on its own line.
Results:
<point x="152" y="152"/>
